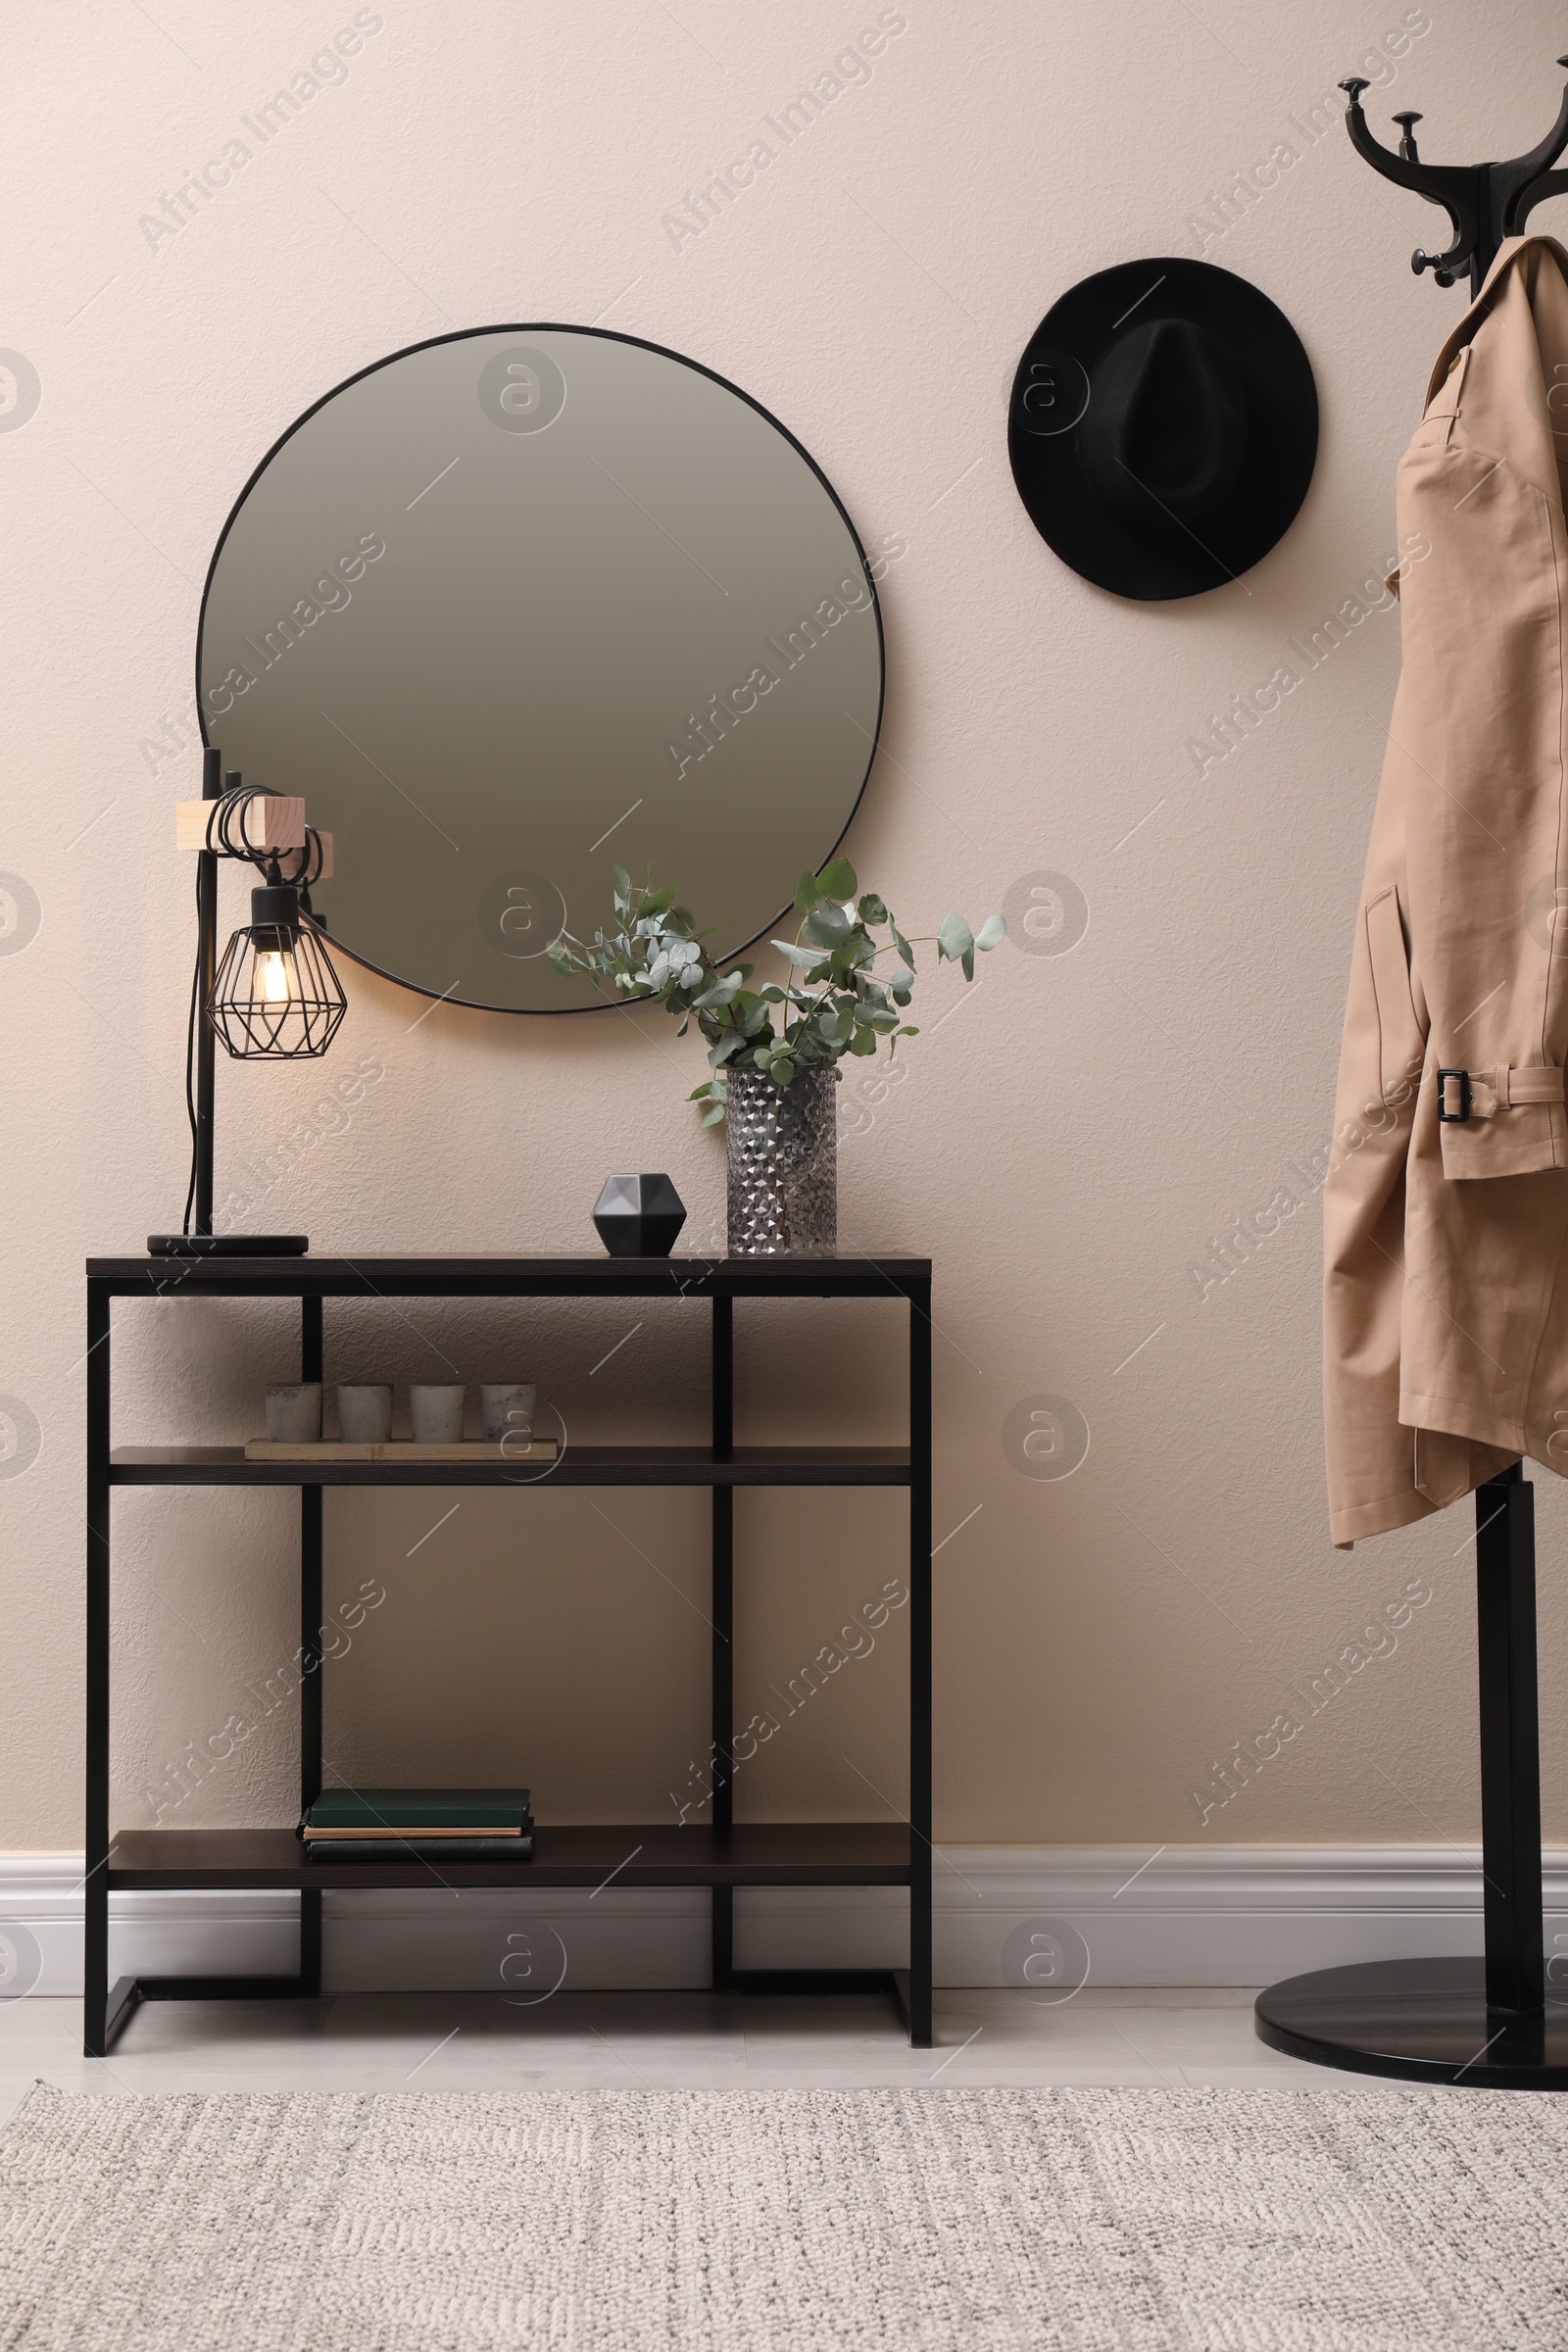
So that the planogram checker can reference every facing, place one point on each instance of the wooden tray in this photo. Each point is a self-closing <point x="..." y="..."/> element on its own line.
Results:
<point x="401" y="1449"/>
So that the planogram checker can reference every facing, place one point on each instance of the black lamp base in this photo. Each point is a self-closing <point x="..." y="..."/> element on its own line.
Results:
<point x="227" y="1245"/>
<point x="1422" y="2021"/>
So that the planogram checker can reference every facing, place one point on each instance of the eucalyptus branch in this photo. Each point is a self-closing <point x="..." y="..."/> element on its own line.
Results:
<point x="831" y="1002"/>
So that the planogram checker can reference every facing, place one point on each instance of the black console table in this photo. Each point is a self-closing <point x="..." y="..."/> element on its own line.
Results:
<point x="723" y="1854"/>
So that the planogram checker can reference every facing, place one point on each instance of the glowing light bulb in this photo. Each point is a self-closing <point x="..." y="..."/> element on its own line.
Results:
<point x="272" y="974"/>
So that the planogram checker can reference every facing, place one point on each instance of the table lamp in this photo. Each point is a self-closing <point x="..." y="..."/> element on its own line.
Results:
<point x="274" y="997"/>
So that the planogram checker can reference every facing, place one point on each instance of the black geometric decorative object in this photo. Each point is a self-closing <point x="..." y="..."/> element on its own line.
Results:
<point x="1163" y="427"/>
<point x="639" y="1216"/>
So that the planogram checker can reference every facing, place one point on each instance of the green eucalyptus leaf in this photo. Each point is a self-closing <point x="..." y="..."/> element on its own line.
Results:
<point x="967" y="963"/>
<point x="711" y="1118"/>
<point x="863" y="1040"/>
<point x="902" y="944"/>
<point x="722" y="991"/>
<point x="954" y="939"/>
<point x="827" y="925"/>
<point x="795" y="955"/>
<point x="838" y="879"/>
<point x="871" y="910"/>
<point x="782" y="1070"/>
<point x="991" y="934"/>
<point x="806" y="893"/>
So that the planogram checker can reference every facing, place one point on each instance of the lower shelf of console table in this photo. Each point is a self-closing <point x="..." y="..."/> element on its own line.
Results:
<point x="773" y="1853"/>
<point x="598" y="1855"/>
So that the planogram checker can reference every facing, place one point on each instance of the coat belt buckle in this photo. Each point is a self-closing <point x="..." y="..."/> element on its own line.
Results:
<point x="1454" y="1118"/>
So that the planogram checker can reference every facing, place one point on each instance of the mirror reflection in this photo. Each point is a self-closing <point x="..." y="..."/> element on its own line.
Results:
<point x="514" y="607"/>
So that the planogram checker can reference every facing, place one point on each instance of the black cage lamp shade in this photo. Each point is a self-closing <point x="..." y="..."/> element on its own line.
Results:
<point x="276" y="997"/>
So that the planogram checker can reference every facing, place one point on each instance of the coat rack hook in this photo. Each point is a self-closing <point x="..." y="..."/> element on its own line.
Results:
<point x="1486" y="203"/>
<point x="1407" y="122"/>
<point x="1454" y="190"/>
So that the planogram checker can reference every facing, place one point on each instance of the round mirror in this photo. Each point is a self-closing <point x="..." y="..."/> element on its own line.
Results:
<point x="516" y="607"/>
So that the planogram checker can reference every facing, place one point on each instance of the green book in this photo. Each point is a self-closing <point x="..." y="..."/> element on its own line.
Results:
<point x="394" y="1853"/>
<point x="366" y="1811"/>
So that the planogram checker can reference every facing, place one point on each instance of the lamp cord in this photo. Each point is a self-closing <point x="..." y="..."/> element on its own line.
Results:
<point x="228" y="833"/>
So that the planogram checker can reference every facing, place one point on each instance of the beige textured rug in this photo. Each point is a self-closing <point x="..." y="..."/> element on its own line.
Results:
<point x="1106" y="2220"/>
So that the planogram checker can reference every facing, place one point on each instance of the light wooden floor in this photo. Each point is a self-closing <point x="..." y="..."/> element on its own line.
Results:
<point x="657" y="2040"/>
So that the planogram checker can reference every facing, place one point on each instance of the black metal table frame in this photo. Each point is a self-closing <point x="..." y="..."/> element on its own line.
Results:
<point x="719" y="1282"/>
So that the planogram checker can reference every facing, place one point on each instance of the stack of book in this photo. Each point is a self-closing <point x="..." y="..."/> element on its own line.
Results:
<point x="418" y="1825"/>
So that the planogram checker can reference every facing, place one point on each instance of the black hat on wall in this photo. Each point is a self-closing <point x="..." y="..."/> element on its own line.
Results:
<point x="1163" y="427"/>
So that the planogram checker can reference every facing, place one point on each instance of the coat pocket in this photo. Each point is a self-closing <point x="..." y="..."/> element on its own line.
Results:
<point x="1401" y="1041"/>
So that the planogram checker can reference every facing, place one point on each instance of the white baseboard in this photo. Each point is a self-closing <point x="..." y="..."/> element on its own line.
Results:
<point x="1192" y="1915"/>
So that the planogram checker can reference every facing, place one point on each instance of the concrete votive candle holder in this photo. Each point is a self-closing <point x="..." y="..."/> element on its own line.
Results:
<point x="294" y="1412"/>
<point x="365" y="1413"/>
<point x="436" y="1412"/>
<point x="506" y="1411"/>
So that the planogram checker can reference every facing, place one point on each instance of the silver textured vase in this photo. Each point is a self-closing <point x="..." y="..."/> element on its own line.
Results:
<point x="783" y="1164"/>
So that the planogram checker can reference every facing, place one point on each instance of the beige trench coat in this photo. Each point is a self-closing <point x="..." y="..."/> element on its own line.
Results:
<point x="1446" y="1302"/>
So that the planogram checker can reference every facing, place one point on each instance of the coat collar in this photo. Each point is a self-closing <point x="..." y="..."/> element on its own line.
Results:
<point x="1508" y="254"/>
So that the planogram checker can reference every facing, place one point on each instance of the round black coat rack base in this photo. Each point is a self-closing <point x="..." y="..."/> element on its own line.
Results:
<point x="1422" y="2021"/>
<point x="1481" y="2023"/>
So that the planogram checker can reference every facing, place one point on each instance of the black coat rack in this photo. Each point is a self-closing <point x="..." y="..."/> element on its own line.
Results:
<point x="1486" y="203"/>
<point x="1491" y="2022"/>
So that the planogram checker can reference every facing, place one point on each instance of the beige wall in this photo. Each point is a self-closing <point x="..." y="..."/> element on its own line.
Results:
<point x="1067" y="1146"/>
